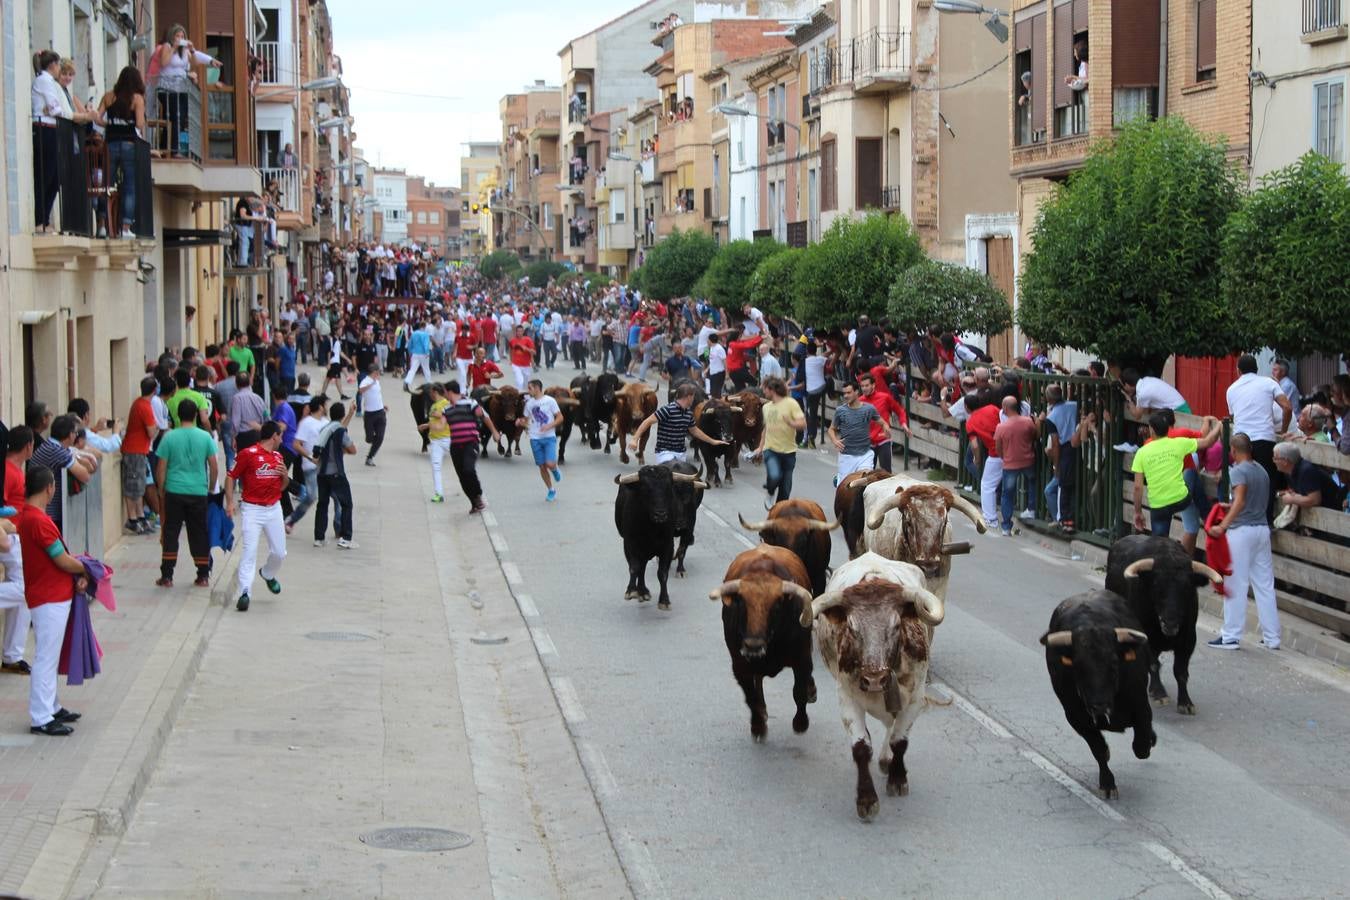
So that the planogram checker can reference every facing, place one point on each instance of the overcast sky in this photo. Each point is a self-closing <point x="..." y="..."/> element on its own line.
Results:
<point x="463" y="55"/>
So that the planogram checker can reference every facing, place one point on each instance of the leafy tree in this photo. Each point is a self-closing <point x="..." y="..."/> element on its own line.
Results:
<point x="726" y="283"/>
<point x="596" y="280"/>
<point x="675" y="264"/>
<point x="850" y="272"/>
<point x="1126" y="258"/>
<point x="1286" y="272"/>
<point x="499" y="264"/>
<point x="540" y="271"/>
<point x="951" y="297"/>
<point x="772" y="286"/>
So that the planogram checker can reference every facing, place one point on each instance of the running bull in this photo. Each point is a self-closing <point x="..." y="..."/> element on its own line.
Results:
<point x="800" y="526"/>
<point x="907" y="519"/>
<point x="649" y="513"/>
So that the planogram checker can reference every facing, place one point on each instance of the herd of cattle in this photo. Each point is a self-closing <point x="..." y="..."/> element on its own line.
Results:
<point x="874" y="616"/>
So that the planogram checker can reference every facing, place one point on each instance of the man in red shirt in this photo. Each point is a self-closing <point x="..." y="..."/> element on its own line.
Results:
<point x="980" y="428"/>
<point x="260" y="471"/>
<point x="17" y="454"/>
<point x="468" y="335"/>
<point x="482" y="370"/>
<point x="487" y="327"/>
<point x="737" y="364"/>
<point x="886" y="407"/>
<point x="522" y="357"/>
<point x="51" y="578"/>
<point x="141" y="431"/>
<point x="1016" y="438"/>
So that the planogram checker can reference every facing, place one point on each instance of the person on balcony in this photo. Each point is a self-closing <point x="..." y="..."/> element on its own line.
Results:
<point x="1078" y="81"/>
<point x="79" y="111"/>
<point x="123" y="112"/>
<point x="288" y="157"/>
<point x="48" y="103"/>
<point x="174" y="81"/>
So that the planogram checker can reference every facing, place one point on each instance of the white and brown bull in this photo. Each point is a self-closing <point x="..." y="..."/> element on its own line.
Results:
<point x="907" y="520"/>
<point x="873" y="628"/>
<point x="633" y="403"/>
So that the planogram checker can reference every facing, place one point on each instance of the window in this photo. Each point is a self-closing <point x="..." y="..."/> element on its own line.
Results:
<point x="1206" y="27"/>
<point x="618" y="204"/>
<point x="421" y="217"/>
<point x="829" y="162"/>
<point x="773" y="208"/>
<point x="434" y="217"/>
<point x="772" y="112"/>
<point x="868" y="184"/>
<point x="1329" y="119"/>
<point x="1029" y="95"/>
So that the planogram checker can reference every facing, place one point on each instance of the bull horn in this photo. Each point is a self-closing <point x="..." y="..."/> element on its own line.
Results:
<point x="568" y="401"/>
<point x="735" y="409"/>
<point x="726" y="587"/>
<point x="576" y="392"/>
<point x="793" y="589"/>
<point x="956" y="549"/>
<point x="819" y="605"/>
<point x="964" y="506"/>
<point x="817" y="525"/>
<point x="1131" y="636"/>
<point x="630" y="478"/>
<point x="1200" y="568"/>
<point x="890" y="503"/>
<point x="1138" y="567"/>
<point x="928" y="605"/>
<point x="754" y="526"/>
<point x="680" y="476"/>
<point x="1058" y="638"/>
<point x="701" y="485"/>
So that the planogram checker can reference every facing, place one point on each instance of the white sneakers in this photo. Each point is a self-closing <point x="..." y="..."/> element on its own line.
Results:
<point x="344" y="544"/>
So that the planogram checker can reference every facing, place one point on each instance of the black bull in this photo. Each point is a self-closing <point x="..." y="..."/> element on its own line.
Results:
<point x="648" y="513"/>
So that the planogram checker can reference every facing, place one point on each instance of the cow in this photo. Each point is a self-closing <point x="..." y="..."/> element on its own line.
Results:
<point x="748" y="425"/>
<point x="1098" y="661"/>
<point x="699" y="394"/>
<point x="504" y="406"/>
<point x="1159" y="580"/>
<point x="632" y="405"/>
<point x="763" y="596"/>
<point x="420" y="402"/>
<point x="597" y="397"/>
<point x="873" y="630"/>
<point x="907" y="519"/>
<point x="648" y="512"/>
<point x="691" y="495"/>
<point x="800" y="526"/>
<point x="848" y="506"/>
<point x="714" y="419"/>
<point x="567" y="405"/>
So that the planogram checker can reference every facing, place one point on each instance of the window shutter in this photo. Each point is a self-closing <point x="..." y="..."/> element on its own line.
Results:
<point x="1063" y="38"/>
<point x="869" y="174"/>
<point x="1206" y="23"/>
<point x="1080" y="15"/>
<point x="1135" y="33"/>
<point x="828" y="176"/>
<point x="1038" y="75"/>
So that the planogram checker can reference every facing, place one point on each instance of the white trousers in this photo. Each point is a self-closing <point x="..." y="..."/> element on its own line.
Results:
<point x="462" y="366"/>
<point x="522" y="374"/>
<point x="49" y="628"/>
<point x="989" y="482"/>
<point x="416" y="361"/>
<point x="12" y="602"/>
<point x="850" y="464"/>
<point x="17" y="620"/>
<point x="1249" y="548"/>
<point x="670" y="456"/>
<point x="265" y="520"/>
<point x="440" y="448"/>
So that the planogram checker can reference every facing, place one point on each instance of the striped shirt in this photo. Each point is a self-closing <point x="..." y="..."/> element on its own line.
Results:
<point x="462" y="417"/>
<point x="672" y="428"/>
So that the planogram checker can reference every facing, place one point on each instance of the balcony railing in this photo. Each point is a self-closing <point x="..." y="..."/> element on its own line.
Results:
<point x="174" y="120"/>
<point x="1321" y="15"/>
<point x="891" y="196"/>
<point x="270" y="54"/>
<point x="872" y="54"/>
<point x="89" y="183"/>
<point x="288" y="181"/>
<point x="1071" y="120"/>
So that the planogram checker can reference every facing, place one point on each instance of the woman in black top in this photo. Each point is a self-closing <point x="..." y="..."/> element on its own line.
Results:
<point x="123" y="112"/>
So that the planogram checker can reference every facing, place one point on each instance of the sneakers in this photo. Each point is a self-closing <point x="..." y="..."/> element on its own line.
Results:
<point x="479" y="505"/>
<point x="242" y="604"/>
<point x="128" y="234"/>
<point x="1269" y="646"/>
<point x="131" y="527"/>
<point x="320" y="542"/>
<point x="272" y="584"/>
<point x="437" y="498"/>
<point x="202" y="582"/>
<point x="164" y="582"/>
<point x="1006" y="532"/>
<point x="52" y="729"/>
<point x="1220" y="644"/>
<point x="344" y="544"/>
<point x="1027" y="514"/>
<point x="370" y="462"/>
<point x="551" y="495"/>
<point x="557" y="475"/>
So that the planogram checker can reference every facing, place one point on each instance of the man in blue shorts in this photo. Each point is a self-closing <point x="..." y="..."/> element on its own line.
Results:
<point x="542" y="416"/>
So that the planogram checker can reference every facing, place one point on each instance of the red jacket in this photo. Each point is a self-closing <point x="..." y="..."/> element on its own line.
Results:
<point x="736" y="351"/>
<point x="885" y="405"/>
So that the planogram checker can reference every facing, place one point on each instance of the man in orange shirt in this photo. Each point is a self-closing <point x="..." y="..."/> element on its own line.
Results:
<point x="482" y="370"/>
<point x="886" y="407"/>
<point x="17" y="454"/>
<point x="141" y="431"/>
<point x="1015" y="438"/>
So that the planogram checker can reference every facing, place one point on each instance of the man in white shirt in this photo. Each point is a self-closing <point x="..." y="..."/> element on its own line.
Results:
<point x="372" y="410"/>
<point x="548" y="334"/>
<point x="306" y="432"/>
<point x="542" y="416"/>
<point x="1146" y="392"/>
<point x="754" y="321"/>
<point x="1279" y="370"/>
<point x="717" y="365"/>
<point x="506" y="324"/>
<point x="769" y="366"/>
<point x="1251" y="402"/>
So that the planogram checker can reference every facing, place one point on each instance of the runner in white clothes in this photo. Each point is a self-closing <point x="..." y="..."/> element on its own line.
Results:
<point x="261" y="471"/>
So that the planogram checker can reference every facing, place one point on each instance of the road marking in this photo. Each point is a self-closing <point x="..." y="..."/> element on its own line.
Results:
<point x="489" y="519"/>
<point x="601" y="776"/>
<point x="512" y="573"/>
<point x="498" y="542"/>
<point x="525" y="603"/>
<point x="1180" y="866"/>
<point x="542" y="642"/>
<point x="990" y="724"/>
<point x="1073" y="787"/>
<point x="1043" y="556"/>
<point x="568" y="701"/>
<point x="716" y="518"/>
<point x="641" y="867"/>
<point x="744" y="540"/>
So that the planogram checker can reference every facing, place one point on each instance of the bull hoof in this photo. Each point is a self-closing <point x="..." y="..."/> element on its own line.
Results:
<point x="679" y="572"/>
<point x="517" y="451"/>
<point x="811" y="693"/>
<point x="501" y="451"/>
<point x="1161" y="701"/>
<point x="897" y="790"/>
<point x="1110" y="793"/>
<point x="632" y="595"/>
<point x="644" y="597"/>
<point x="801" y="722"/>
<point x="1186" y="709"/>
<point x="868" y="807"/>
<point x="662" y="604"/>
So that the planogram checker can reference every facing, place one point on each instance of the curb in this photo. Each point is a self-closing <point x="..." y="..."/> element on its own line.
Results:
<point x="73" y="858"/>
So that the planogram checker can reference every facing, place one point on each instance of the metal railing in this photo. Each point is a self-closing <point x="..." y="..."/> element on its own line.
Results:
<point x="82" y="514"/>
<point x="82" y="184"/>
<point x="892" y="196"/>
<point x="1072" y="120"/>
<point x="1321" y="15"/>
<point x="270" y="54"/>
<point x="873" y="53"/>
<point x="174" y="121"/>
<point x="288" y="180"/>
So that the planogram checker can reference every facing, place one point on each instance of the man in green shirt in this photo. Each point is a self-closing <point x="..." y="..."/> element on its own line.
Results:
<point x="1159" y="463"/>
<point x="240" y="353"/>
<point x="186" y="471"/>
<point x="181" y="377"/>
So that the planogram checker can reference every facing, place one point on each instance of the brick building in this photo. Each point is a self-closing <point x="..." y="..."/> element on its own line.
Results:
<point x="434" y="217"/>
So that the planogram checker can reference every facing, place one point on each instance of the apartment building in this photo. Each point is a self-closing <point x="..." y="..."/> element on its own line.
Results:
<point x="739" y="175"/>
<point x="525" y="202"/>
<point x="478" y="178"/>
<point x="391" y="206"/>
<point x="434" y="217"/>
<point x="814" y="42"/>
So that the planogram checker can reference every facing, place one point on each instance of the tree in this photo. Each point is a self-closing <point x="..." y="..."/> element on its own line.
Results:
<point x="675" y="264"/>
<point x="499" y="264"/>
<point x="850" y="272"/>
<point x="540" y="271"/>
<point x="1126" y="258"/>
<point x="1285" y="270"/>
<point x="950" y="297"/>
<point x="726" y="283"/>
<point x="773" y="284"/>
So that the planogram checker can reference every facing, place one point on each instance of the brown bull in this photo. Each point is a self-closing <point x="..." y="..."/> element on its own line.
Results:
<point x="800" y="526"/>
<point x="748" y="425"/>
<point x="504" y="406"/>
<point x="632" y="405"/>
<point x="763" y="599"/>
<point x="848" y="505"/>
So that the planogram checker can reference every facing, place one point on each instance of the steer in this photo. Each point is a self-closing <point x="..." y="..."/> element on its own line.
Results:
<point x="632" y="405"/>
<point x="691" y="496"/>
<point x="799" y="526"/>
<point x="848" y="506"/>
<point x="420" y="402"/>
<point x="747" y="425"/>
<point x="1159" y="579"/>
<point x="567" y="405"/>
<point x="649" y="512"/>
<point x="1098" y="662"/>
<point x="907" y="519"/>
<point x="714" y="419"/>
<point x="699" y="394"/>
<point x="763" y="597"/>
<point x="597" y="403"/>
<point x="873" y="630"/>
<point x="583" y="388"/>
<point x="504" y="406"/>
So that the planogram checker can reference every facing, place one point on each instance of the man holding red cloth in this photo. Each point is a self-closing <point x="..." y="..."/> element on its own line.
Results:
<point x="261" y="473"/>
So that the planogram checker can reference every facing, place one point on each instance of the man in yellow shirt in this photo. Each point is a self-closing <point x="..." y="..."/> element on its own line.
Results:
<point x="438" y="433"/>
<point x="1159" y="463"/>
<point x="783" y="420"/>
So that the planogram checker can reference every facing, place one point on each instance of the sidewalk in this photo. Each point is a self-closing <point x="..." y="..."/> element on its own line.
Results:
<point x="57" y="795"/>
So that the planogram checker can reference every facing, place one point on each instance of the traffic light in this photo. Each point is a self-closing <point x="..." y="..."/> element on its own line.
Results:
<point x="475" y="208"/>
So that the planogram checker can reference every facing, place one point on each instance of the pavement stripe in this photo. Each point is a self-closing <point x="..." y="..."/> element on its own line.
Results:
<point x="542" y="642"/>
<point x="744" y="540"/>
<point x="716" y="518"/>
<point x="526" y="605"/>
<point x="602" y="778"/>
<point x="990" y="724"/>
<point x="489" y="519"/>
<point x="1043" y="556"/>
<point x="512" y="573"/>
<point x="1180" y="866"/>
<point x="568" y="701"/>
<point x="642" y="869"/>
<point x="1072" y="786"/>
<point x="498" y="542"/>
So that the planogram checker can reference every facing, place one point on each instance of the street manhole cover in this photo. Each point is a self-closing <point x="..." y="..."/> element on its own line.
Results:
<point x="419" y="840"/>
<point x="338" y="636"/>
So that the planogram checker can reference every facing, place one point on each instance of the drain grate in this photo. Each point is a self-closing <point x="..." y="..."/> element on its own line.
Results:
<point x="417" y="840"/>
<point x="338" y="636"/>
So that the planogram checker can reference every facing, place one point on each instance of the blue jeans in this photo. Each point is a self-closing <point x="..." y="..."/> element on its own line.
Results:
<point x="778" y="468"/>
<point x="122" y="167"/>
<point x="308" y="494"/>
<point x="1009" y="491"/>
<point x="1052" y="498"/>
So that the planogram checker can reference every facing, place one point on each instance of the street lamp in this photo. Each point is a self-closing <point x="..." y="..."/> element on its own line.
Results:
<point x="730" y="109"/>
<point x="994" y="24"/>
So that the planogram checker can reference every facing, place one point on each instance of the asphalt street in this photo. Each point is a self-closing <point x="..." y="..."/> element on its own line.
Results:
<point x="1248" y="798"/>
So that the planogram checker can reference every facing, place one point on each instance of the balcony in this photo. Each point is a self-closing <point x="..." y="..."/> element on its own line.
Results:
<point x="192" y="137"/>
<point x="875" y="62"/>
<point x="892" y="196"/>
<point x="269" y="54"/>
<point x="1322" y="21"/>
<point x="1072" y="120"/>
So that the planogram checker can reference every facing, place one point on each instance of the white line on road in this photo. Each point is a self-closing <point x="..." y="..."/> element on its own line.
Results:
<point x="642" y="869"/>
<point x="498" y="542"/>
<point x="1073" y="787"/>
<point x="750" y="545"/>
<point x="525" y="603"/>
<point x="991" y="725"/>
<point x="568" y="701"/>
<point x="1043" y="556"/>
<point x="543" y="643"/>
<point x="512" y="573"/>
<point x="489" y="519"/>
<point x="1180" y="866"/>
<point x="716" y="518"/>
<point x="603" y="778"/>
